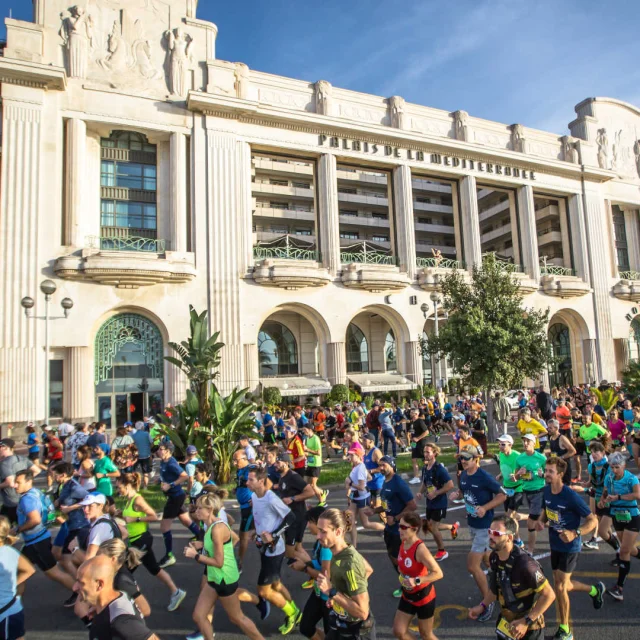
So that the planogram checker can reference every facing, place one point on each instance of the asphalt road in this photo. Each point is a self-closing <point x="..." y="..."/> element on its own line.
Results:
<point x="48" y="620"/>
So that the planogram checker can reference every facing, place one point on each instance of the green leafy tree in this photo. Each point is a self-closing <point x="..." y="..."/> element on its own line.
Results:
<point x="492" y="340"/>
<point x="272" y="396"/>
<point x="198" y="357"/>
<point x="631" y="378"/>
<point x="339" y="394"/>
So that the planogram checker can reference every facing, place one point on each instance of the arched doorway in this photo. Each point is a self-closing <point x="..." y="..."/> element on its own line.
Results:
<point x="357" y="350"/>
<point x="129" y="366"/>
<point x="634" y="340"/>
<point x="277" y="350"/>
<point x="561" y="369"/>
<point x="390" y="352"/>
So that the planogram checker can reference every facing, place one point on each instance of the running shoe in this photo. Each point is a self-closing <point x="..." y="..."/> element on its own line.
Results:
<point x="176" y="599"/>
<point x="264" y="607"/>
<point x="458" y="501"/>
<point x="167" y="561"/>
<point x="196" y="635"/>
<point x="437" y="439"/>
<point x="615" y="562"/>
<point x="441" y="555"/>
<point x="397" y="593"/>
<point x="591" y="544"/>
<point x="415" y="481"/>
<point x="323" y="498"/>
<point x="291" y="622"/>
<point x="488" y="613"/>
<point x="308" y="584"/>
<point x="616" y="593"/>
<point x="71" y="600"/>
<point x="598" y="599"/>
<point x="563" y="635"/>
<point x="455" y="527"/>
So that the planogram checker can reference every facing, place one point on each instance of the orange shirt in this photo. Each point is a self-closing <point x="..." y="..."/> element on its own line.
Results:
<point x="564" y="417"/>
<point x="470" y="441"/>
<point x="319" y="421"/>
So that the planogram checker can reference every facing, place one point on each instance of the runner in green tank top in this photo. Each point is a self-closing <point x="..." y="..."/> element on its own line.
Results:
<point x="221" y="572"/>
<point x="138" y="514"/>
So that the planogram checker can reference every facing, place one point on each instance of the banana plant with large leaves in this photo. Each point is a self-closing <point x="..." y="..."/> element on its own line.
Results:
<point x="606" y="399"/>
<point x="198" y="357"/>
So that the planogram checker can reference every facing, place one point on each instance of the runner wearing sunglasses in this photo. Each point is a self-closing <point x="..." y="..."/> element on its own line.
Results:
<point x="517" y="582"/>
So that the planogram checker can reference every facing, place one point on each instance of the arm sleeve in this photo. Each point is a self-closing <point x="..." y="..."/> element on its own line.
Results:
<point x="127" y="627"/>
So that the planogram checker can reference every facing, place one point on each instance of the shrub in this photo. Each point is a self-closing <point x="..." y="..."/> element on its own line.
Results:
<point x="271" y="396"/>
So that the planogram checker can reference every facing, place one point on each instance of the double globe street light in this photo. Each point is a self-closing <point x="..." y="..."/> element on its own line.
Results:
<point x="48" y="287"/>
<point x="439" y="371"/>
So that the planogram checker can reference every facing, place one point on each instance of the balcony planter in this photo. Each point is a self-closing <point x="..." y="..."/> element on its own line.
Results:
<point x="375" y="278"/>
<point x="561" y="286"/>
<point x="290" y="274"/>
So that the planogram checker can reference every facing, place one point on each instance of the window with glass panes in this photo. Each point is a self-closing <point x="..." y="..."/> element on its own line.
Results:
<point x="128" y="181"/>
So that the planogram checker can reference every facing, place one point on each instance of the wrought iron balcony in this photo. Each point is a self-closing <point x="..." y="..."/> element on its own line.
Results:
<point x="126" y="243"/>
<point x="366" y="253"/>
<point x="439" y="263"/>
<point x="505" y="263"/>
<point x="630" y="275"/>
<point x="556" y="270"/>
<point x="286" y="247"/>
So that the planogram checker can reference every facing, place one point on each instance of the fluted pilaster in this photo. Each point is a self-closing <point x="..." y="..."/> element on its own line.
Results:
<point x="413" y="361"/>
<point x="79" y="388"/>
<point x="75" y="186"/>
<point x="470" y="221"/>
<point x="336" y="363"/>
<point x="405" y="227"/>
<point x="21" y="353"/>
<point x="528" y="235"/>
<point x="178" y="202"/>
<point x="251" y="367"/>
<point x="328" y="213"/>
<point x="176" y="383"/>
<point x="579" y="238"/>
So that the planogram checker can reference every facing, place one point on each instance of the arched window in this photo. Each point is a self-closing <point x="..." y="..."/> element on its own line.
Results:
<point x="561" y="369"/>
<point x="357" y="351"/>
<point x="390" y="352"/>
<point x="634" y="339"/>
<point x="277" y="350"/>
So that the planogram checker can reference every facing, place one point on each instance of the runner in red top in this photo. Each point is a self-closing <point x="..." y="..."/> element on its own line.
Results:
<point x="418" y="571"/>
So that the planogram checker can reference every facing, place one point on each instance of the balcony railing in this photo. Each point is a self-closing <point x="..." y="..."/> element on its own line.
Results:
<point x="441" y="263"/>
<point x="126" y="243"/>
<point x="556" y="270"/>
<point x="505" y="263"/>
<point x="365" y="253"/>
<point x="286" y="248"/>
<point x="630" y="275"/>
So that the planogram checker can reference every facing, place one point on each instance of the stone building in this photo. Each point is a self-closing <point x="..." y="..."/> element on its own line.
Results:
<point x="142" y="173"/>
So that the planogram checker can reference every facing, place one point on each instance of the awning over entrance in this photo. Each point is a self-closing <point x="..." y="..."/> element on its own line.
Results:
<point x="384" y="382"/>
<point x="298" y="385"/>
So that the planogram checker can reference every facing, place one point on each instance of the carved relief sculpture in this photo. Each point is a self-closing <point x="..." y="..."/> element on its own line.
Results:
<point x="518" y="142"/>
<point x="179" y="45"/>
<point x="570" y="150"/>
<point x="241" y="74"/>
<point x="616" y="149"/>
<point x="323" y="97"/>
<point x="77" y="36"/>
<point x="396" y="111"/>
<point x="603" y="149"/>
<point x="636" y="151"/>
<point x="141" y="55"/>
<point x="460" y="120"/>
<point x="117" y="60"/>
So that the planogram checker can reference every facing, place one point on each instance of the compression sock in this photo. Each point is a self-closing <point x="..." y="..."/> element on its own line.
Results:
<point x="564" y="627"/>
<point x="195" y="529"/>
<point x="289" y="609"/>
<point x="613" y="542"/>
<point x="168" y="542"/>
<point x="623" y="571"/>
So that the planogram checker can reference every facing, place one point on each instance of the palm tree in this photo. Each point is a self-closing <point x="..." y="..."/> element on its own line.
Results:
<point x="199" y="357"/>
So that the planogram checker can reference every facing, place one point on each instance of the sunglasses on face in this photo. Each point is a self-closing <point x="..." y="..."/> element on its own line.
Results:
<point x="404" y="527"/>
<point x="497" y="534"/>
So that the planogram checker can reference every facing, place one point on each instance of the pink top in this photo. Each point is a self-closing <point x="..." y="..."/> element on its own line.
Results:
<point x="357" y="448"/>
<point x="616" y="428"/>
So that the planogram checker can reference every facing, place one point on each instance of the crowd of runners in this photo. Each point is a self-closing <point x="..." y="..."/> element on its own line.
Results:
<point x="88" y="529"/>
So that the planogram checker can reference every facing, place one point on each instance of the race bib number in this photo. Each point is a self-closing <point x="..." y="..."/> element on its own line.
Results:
<point x="414" y="445"/>
<point x="504" y="630"/>
<point x="552" y="516"/>
<point x="430" y="489"/>
<point x="509" y="492"/>
<point x="471" y="509"/>
<point x="385" y="505"/>
<point x="338" y="609"/>
<point x="528" y="476"/>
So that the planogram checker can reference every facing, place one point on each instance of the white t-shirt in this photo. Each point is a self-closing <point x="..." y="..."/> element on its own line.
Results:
<point x="65" y="429"/>
<point x="268" y="512"/>
<point x="100" y="532"/>
<point x="358" y="473"/>
<point x="250" y="452"/>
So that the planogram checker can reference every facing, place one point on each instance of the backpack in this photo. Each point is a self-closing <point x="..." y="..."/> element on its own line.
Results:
<point x="115" y="529"/>
<point x="47" y="510"/>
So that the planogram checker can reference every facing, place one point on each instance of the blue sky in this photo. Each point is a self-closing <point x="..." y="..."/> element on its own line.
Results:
<point x="528" y="61"/>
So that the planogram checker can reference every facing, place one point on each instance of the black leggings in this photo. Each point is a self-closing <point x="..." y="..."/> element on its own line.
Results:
<point x="314" y="610"/>
<point x="145" y="543"/>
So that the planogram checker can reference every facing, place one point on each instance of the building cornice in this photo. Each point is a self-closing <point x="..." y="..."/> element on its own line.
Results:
<point x="32" y="74"/>
<point x="249" y="111"/>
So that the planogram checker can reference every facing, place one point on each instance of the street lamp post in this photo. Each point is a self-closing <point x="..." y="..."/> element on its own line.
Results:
<point x="48" y="288"/>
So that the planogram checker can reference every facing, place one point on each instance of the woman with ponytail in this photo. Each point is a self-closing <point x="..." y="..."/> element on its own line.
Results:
<point x="138" y="514"/>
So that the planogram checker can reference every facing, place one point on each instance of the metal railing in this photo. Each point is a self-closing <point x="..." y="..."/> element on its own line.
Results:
<point x="630" y="275"/>
<point x="556" y="270"/>
<point x="505" y="263"/>
<point x="126" y="243"/>
<point x="364" y="253"/>
<point x="441" y="263"/>
<point x="286" y="248"/>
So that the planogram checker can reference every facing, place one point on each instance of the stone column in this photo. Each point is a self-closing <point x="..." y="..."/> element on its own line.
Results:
<point x="21" y="353"/>
<point x="590" y="361"/>
<point x="225" y="188"/>
<point x="75" y="183"/>
<point x="579" y="237"/>
<point x="470" y="221"/>
<point x="176" y="382"/>
<point x="328" y="213"/>
<point x="624" y="353"/>
<point x="336" y="363"/>
<point x="79" y="388"/>
<point x="600" y="262"/>
<point x="414" y="362"/>
<point x="404" y="221"/>
<point x="251" y="366"/>
<point x="178" y="190"/>
<point x="632" y="231"/>
<point x="528" y="235"/>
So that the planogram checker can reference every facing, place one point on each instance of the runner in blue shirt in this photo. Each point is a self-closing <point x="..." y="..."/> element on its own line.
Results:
<point x="622" y="493"/>
<point x="563" y="511"/>
<point x="33" y="444"/>
<point x="243" y="496"/>
<point x="481" y="493"/>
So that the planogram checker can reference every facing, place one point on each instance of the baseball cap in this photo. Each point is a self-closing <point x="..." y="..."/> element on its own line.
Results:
<point x="459" y="416"/>
<point x="356" y="448"/>
<point x="191" y="449"/>
<point x="506" y="438"/>
<point x="48" y="428"/>
<point x="369" y="436"/>
<point x="469" y="452"/>
<point x="285" y="457"/>
<point x="388" y="460"/>
<point x="7" y="442"/>
<point x="128" y="424"/>
<point x="529" y="436"/>
<point x="93" y="498"/>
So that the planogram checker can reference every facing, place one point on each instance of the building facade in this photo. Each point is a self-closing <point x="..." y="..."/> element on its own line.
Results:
<point x="141" y="173"/>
